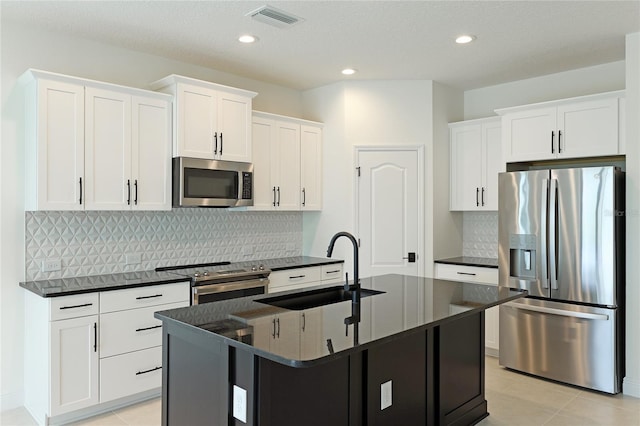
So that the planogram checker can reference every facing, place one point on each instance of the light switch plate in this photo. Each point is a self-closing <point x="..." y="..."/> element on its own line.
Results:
<point x="240" y="403"/>
<point x="385" y="395"/>
<point x="50" y="265"/>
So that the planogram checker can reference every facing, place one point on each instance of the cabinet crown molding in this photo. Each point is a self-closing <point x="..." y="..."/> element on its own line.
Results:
<point x="271" y="116"/>
<point x="557" y="102"/>
<point x="176" y="79"/>
<point x="495" y="119"/>
<point x="33" y="74"/>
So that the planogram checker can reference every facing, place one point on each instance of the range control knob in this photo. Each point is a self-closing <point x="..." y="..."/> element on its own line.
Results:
<point x="254" y="268"/>
<point x="261" y="267"/>
<point x="196" y="274"/>
<point x="205" y="274"/>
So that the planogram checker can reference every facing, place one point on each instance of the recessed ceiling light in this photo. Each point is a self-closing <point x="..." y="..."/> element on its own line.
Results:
<point x="348" y="71"/>
<point x="464" y="39"/>
<point x="247" y="38"/>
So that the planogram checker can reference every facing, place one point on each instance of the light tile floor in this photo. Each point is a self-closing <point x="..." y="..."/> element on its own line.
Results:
<point x="513" y="399"/>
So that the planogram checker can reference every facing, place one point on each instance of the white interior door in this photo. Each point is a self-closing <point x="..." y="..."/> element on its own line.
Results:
<point x="390" y="212"/>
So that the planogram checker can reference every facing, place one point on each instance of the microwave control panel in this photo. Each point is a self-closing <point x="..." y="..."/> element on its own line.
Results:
<point x="247" y="184"/>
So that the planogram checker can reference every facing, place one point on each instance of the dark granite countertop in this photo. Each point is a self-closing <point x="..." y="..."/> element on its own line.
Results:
<point x="94" y="283"/>
<point x="405" y="305"/>
<point x="485" y="262"/>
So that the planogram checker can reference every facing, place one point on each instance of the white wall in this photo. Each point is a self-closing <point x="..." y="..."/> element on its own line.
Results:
<point x="631" y="385"/>
<point x="482" y="102"/>
<point x="362" y="113"/>
<point x="24" y="48"/>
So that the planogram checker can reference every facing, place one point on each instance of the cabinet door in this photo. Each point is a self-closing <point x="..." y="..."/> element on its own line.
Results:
<point x="74" y="364"/>
<point x="56" y="176"/>
<point x="492" y="164"/>
<point x="234" y="127"/>
<point x="527" y="135"/>
<point x="263" y="136"/>
<point x="151" y="154"/>
<point x="287" y="340"/>
<point x="588" y="128"/>
<point x="466" y="158"/>
<point x="311" y="167"/>
<point x="108" y="150"/>
<point x="288" y="167"/>
<point x="311" y="344"/>
<point x="196" y="115"/>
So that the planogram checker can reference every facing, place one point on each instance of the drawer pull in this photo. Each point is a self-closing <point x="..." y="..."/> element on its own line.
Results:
<point x="297" y="276"/>
<point x="466" y="273"/>
<point x="76" y="306"/>
<point x="332" y="272"/>
<point x="147" y="371"/>
<point x="149" y="328"/>
<point x="148" y="297"/>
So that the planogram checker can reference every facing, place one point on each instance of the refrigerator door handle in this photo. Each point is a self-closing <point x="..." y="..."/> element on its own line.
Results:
<point x="560" y="312"/>
<point x="543" y="235"/>
<point x="553" y="233"/>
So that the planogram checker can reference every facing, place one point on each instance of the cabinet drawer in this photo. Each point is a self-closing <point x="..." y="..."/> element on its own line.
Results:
<point x="139" y="297"/>
<point x="77" y="305"/>
<point x="472" y="274"/>
<point x="131" y="330"/>
<point x="128" y="374"/>
<point x="332" y="272"/>
<point x="294" y="276"/>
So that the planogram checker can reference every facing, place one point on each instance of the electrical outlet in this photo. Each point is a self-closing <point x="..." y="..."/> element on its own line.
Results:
<point x="133" y="258"/>
<point x="240" y="403"/>
<point x="50" y="265"/>
<point x="385" y="395"/>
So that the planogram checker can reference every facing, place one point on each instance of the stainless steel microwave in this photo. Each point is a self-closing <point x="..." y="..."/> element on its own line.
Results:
<point x="211" y="183"/>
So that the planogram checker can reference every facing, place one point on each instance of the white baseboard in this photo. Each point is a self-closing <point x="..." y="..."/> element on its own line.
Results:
<point x="631" y="387"/>
<point x="10" y="401"/>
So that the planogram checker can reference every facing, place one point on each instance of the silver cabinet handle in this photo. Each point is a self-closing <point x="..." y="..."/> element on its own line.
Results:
<point x="466" y="273"/>
<point x="297" y="276"/>
<point x="148" y="371"/>
<point x="278" y="333"/>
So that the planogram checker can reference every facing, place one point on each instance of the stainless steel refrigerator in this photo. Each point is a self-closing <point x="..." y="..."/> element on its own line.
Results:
<point x="561" y="237"/>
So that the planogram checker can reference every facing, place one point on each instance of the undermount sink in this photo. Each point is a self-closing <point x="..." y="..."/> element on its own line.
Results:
<point x="315" y="298"/>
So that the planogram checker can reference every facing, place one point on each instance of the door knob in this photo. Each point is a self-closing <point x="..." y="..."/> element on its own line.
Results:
<point x="411" y="257"/>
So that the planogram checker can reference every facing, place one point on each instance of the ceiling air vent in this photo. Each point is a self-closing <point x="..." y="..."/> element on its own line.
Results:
<point x="275" y="17"/>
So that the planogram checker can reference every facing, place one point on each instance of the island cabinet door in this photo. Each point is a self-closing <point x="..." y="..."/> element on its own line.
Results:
<point x="312" y="396"/>
<point x="396" y="384"/>
<point x="460" y="376"/>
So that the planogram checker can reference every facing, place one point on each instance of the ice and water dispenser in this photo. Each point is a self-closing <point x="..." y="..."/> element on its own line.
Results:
<point x="522" y="256"/>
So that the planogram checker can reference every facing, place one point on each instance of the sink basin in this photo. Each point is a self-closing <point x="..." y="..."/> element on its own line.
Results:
<point x="315" y="298"/>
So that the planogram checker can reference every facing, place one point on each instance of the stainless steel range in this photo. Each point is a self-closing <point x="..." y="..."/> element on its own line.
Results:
<point x="212" y="282"/>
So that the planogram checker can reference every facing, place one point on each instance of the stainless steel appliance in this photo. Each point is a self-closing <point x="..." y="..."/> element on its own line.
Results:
<point x="561" y="237"/>
<point x="211" y="183"/>
<point x="212" y="282"/>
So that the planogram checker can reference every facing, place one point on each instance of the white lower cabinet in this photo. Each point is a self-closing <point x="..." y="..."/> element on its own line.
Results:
<point x="74" y="364"/>
<point x="480" y="275"/>
<point x="293" y="279"/>
<point x="89" y="349"/>
<point x="130" y="373"/>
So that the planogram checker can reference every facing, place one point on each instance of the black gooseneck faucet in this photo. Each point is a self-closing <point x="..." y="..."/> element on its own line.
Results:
<point x="356" y="280"/>
<point x="354" y="319"/>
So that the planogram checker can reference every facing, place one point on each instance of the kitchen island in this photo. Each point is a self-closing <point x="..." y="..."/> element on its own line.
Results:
<point x="400" y="352"/>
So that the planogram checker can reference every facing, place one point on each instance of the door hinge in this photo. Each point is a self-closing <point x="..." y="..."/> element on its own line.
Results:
<point x="358" y="169"/>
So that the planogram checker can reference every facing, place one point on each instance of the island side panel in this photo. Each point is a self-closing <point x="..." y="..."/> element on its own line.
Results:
<point x="195" y="378"/>
<point x="314" y="396"/>
<point x="460" y="351"/>
<point x="398" y="367"/>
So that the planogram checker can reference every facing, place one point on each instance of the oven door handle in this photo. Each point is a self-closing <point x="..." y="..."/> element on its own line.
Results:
<point x="230" y="286"/>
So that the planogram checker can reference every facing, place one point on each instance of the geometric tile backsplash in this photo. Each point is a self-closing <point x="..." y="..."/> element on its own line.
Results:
<point x="480" y="234"/>
<point x="99" y="242"/>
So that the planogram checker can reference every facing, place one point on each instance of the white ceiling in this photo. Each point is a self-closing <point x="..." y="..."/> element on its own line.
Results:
<point x="382" y="39"/>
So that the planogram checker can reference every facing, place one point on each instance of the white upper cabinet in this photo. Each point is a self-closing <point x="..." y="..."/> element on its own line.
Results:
<point x="95" y="146"/>
<point x="211" y="121"/>
<point x="287" y="163"/>
<point x="54" y="154"/>
<point x="475" y="160"/>
<point x="579" y="127"/>
<point x="311" y="167"/>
